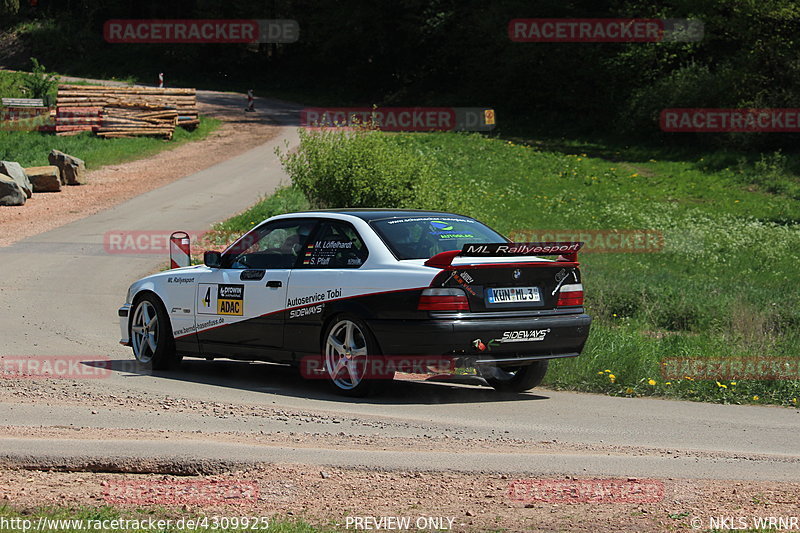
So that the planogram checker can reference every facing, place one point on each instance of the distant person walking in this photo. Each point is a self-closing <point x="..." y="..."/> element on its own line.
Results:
<point x="160" y="80"/>
<point x="251" y="101"/>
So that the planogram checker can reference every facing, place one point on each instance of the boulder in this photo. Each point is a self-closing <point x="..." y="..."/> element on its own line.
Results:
<point x="44" y="179"/>
<point x="16" y="173"/>
<point x="10" y="192"/>
<point x="71" y="168"/>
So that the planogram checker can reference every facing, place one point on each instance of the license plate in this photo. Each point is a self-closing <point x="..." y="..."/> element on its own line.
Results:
<point x="513" y="295"/>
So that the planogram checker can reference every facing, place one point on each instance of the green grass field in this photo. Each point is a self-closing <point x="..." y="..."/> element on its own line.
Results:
<point x="31" y="148"/>
<point x="722" y="286"/>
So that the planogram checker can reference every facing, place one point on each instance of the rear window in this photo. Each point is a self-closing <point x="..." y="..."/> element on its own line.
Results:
<point x="424" y="237"/>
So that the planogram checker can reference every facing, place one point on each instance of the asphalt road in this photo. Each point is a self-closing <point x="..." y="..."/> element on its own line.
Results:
<point x="59" y="292"/>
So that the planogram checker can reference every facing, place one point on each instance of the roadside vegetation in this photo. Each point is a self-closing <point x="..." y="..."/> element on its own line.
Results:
<point x="721" y="286"/>
<point x="30" y="148"/>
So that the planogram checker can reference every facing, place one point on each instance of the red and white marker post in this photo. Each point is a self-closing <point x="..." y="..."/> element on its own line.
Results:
<point x="179" y="251"/>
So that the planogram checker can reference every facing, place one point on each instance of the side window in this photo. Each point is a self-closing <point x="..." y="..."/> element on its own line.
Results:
<point x="336" y="245"/>
<point x="277" y="245"/>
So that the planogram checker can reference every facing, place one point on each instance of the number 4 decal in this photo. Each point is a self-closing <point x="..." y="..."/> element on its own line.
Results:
<point x="207" y="299"/>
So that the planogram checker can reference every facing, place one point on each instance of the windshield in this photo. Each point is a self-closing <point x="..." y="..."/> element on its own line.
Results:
<point x="425" y="236"/>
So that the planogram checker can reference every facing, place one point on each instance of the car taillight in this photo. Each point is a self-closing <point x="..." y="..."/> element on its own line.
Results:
<point x="443" y="300"/>
<point x="570" y="295"/>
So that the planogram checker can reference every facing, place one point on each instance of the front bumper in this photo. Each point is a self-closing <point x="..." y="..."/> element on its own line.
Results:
<point x="123" y="313"/>
<point x="504" y="340"/>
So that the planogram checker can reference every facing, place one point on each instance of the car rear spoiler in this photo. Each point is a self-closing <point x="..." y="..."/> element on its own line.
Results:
<point x="567" y="251"/>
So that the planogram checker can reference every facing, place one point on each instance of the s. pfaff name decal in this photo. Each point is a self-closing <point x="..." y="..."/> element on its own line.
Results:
<point x="525" y="335"/>
<point x="305" y="311"/>
<point x="321" y="252"/>
<point x="220" y="299"/>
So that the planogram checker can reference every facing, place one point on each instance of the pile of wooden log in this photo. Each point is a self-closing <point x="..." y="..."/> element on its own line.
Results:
<point x="182" y="101"/>
<point x="130" y="120"/>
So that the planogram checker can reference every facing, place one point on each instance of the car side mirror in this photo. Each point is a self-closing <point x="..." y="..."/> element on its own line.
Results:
<point x="212" y="259"/>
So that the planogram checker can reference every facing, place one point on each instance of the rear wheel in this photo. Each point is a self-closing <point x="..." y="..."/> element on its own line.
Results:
<point x="151" y="334"/>
<point x="352" y="360"/>
<point x="515" y="379"/>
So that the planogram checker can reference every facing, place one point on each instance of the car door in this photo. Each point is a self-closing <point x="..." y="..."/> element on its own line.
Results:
<point x="326" y="272"/>
<point x="245" y="298"/>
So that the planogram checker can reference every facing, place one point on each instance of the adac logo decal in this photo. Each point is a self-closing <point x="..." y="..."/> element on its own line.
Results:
<point x="230" y="300"/>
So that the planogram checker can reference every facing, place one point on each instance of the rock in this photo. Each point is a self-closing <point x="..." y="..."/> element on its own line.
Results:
<point x="44" y="179"/>
<point x="15" y="171"/>
<point x="72" y="169"/>
<point x="10" y="192"/>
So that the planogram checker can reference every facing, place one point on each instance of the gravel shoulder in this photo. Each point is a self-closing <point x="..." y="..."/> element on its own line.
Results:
<point x="474" y="502"/>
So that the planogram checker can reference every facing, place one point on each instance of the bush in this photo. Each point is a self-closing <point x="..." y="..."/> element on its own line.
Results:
<point x="362" y="168"/>
<point x="41" y="83"/>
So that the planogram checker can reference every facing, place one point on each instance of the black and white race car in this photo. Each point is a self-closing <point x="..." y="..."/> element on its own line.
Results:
<point x="354" y="294"/>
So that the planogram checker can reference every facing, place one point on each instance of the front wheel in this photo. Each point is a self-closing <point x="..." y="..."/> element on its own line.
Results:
<point x="516" y="379"/>
<point x="352" y="360"/>
<point x="151" y="335"/>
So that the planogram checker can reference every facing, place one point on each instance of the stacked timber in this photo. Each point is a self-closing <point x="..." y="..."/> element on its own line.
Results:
<point x="184" y="101"/>
<point x="130" y="120"/>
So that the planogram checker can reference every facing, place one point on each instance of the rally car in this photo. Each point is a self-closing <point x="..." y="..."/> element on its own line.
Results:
<point x="346" y="294"/>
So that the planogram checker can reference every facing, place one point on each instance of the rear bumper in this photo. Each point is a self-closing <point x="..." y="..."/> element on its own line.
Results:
<point x="499" y="340"/>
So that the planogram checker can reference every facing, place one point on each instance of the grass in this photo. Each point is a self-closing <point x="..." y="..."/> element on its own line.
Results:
<point x="724" y="284"/>
<point x="11" y="521"/>
<point x="30" y="148"/>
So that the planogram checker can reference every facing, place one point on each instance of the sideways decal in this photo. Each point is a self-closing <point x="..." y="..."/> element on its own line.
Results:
<point x="525" y="335"/>
<point x="305" y="311"/>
